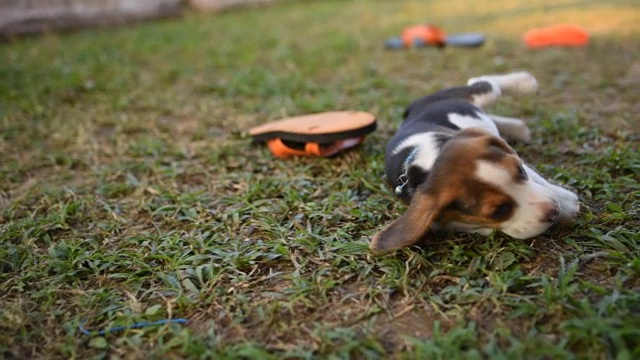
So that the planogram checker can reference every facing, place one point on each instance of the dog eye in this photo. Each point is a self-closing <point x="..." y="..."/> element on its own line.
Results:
<point x="502" y="211"/>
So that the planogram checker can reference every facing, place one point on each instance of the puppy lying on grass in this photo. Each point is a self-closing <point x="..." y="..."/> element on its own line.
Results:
<point x="449" y="161"/>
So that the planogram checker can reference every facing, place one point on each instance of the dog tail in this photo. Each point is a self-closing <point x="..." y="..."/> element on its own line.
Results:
<point x="515" y="83"/>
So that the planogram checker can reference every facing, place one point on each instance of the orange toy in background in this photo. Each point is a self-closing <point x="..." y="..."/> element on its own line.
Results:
<point x="426" y="34"/>
<point x="557" y="35"/>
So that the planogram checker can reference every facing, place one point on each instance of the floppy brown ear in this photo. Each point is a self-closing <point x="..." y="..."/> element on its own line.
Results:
<point x="409" y="227"/>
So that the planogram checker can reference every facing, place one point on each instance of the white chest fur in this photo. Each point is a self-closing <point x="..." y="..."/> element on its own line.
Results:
<point x="426" y="149"/>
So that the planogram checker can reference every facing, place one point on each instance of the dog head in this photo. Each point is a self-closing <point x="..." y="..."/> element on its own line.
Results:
<point x="477" y="183"/>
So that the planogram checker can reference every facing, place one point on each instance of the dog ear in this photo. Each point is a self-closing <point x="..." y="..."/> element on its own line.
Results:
<point x="411" y="226"/>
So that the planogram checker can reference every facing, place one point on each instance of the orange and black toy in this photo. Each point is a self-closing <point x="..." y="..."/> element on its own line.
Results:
<point x="321" y="134"/>
<point x="428" y="35"/>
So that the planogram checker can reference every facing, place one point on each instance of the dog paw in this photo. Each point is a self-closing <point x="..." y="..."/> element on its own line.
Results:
<point x="512" y="129"/>
<point x="519" y="132"/>
<point x="526" y="135"/>
<point x="519" y="83"/>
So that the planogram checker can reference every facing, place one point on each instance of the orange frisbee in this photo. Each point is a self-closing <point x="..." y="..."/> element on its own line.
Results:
<point x="557" y="35"/>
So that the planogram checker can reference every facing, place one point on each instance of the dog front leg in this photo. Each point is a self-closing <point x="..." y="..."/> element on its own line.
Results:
<point x="512" y="129"/>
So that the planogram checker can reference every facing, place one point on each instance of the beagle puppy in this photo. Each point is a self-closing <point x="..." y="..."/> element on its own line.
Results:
<point x="450" y="162"/>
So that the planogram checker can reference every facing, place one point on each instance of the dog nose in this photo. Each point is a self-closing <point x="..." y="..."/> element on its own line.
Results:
<point x="551" y="213"/>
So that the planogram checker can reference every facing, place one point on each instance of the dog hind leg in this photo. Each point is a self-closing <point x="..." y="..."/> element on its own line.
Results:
<point x="515" y="83"/>
<point x="482" y="91"/>
<point x="512" y="129"/>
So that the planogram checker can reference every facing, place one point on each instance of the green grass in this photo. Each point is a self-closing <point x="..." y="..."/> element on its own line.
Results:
<point x="130" y="192"/>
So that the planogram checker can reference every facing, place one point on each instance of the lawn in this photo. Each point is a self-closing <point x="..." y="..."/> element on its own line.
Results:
<point x="130" y="192"/>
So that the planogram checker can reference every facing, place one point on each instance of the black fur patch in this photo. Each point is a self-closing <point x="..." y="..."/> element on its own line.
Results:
<point x="416" y="176"/>
<point x="393" y="172"/>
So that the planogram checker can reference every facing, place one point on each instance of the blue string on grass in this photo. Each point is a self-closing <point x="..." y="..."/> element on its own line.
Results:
<point x="132" y="326"/>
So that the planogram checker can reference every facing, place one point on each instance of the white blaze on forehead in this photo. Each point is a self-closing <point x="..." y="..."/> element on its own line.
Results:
<point x="427" y="149"/>
<point x="496" y="174"/>
<point x="493" y="174"/>
<point x="479" y="121"/>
